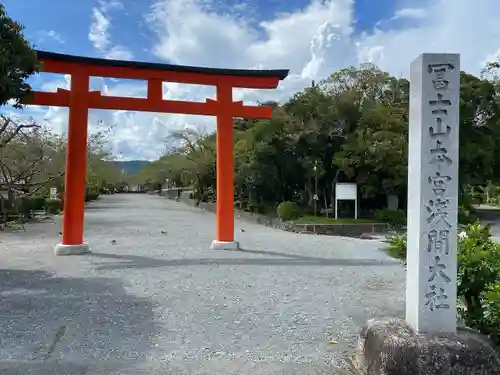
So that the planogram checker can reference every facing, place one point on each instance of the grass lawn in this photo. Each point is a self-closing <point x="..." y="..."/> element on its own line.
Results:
<point x="325" y="220"/>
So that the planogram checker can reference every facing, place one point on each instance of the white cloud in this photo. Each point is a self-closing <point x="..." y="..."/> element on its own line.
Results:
<point x="48" y="35"/>
<point x="189" y="33"/>
<point x="106" y="5"/>
<point x="119" y="53"/>
<point x="449" y="26"/>
<point x="99" y="33"/>
<point x="313" y="42"/>
<point x="410" y="13"/>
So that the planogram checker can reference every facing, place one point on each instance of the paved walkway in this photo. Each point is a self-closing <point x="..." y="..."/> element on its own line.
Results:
<point x="166" y="301"/>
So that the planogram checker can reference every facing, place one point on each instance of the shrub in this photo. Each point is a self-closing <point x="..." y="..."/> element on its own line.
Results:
<point x="495" y="201"/>
<point x="53" y="206"/>
<point x="258" y="208"/>
<point x="396" y="218"/>
<point x="91" y="196"/>
<point x="24" y="206"/>
<point x="289" y="211"/>
<point x="492" y="312"/>
<point x="466" y="214"/>
<point x="478" y="281"/>
<point x="5" y="203"/>
<point x="397" y="245"/>
<point x="475" y="195"/>
<point x="478" y="273"/>
<point x="38" y="203"/>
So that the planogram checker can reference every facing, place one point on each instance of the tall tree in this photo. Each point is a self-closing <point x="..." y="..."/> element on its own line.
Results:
<point x="351" y="127"/>
<point x="18" y="61"/>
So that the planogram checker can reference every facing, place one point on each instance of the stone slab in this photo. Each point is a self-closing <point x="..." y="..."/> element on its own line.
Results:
<point x="80" y="249"/>
<point x="223" y="245"/>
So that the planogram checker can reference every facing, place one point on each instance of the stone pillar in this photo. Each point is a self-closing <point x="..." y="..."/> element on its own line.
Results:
<point x="431" y="284"/>
<point x="428" y="342"/>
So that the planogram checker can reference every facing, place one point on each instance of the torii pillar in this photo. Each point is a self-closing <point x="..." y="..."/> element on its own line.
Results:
<point x="225" y="172"/>
<point x="76" y="168"/>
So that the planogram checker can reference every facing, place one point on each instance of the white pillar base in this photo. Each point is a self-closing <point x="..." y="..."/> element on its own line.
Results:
<point x="222" y="245"/>
<point x="61" y="249"/>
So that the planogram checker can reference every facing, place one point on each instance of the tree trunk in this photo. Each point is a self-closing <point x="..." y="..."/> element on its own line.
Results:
<point x="309" y="189"/>
<point x="325" y="200"/>
<point x="332" y="191"/>
<point x="3" y="210"/>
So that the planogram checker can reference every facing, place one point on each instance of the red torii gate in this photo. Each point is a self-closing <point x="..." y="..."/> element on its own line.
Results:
<point x="80" y="99"/>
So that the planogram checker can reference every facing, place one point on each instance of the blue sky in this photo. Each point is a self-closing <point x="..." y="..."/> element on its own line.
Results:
<point x="312" y="38"/>
<point x="63" y="26"/>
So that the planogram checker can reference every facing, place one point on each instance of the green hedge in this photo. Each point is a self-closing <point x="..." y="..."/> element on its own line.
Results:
<point x="27" y="205"/>
<point x="53" y="206"/>
<point x="91" y="196"/>
<point x="38" y="203"/>
<point x="396" y="218"/>
<point x="24" y="206"/>
<point x="289" y="211"/>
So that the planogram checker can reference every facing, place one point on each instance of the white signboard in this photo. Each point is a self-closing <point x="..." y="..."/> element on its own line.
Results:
<point x="53" y="193"/>
<point x="346" y="191"/>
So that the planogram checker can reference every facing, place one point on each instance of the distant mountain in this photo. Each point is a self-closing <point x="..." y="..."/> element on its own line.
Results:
<point x="132" y="166"/>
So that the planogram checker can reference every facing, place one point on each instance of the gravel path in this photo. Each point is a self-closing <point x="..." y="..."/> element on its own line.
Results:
<point x="165" y="300"/>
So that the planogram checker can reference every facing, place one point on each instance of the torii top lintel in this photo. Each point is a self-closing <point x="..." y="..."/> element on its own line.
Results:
<point x="155" y="74"/>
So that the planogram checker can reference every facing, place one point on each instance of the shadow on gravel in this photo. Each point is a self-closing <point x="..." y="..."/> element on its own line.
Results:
<point x="75" y="319"/>
<point x="95" y="207"/>
<point x="140" y="262"/>
<point x="165" y="368"/>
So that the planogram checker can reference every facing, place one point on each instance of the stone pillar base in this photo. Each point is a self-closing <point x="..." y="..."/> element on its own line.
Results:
<point x="392" y="347"/>
<point x="81" y="249"/>
<point x="222" y="245"/>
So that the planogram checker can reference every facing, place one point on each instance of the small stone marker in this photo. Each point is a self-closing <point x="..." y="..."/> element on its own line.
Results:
<point x="431" y="284"/>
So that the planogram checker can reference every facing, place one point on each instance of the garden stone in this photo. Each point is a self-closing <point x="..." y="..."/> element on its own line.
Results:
<point x="393" y="347"/>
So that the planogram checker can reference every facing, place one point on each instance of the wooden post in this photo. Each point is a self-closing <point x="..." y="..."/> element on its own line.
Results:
<point x="225" y="171"/>
<point x="76" y="167"/>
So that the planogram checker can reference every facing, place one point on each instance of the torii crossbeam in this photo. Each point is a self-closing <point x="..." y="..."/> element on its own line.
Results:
<point x="80" y="99"/>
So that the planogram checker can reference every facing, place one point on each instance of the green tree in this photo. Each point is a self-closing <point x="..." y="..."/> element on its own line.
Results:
<point x="351" y="127"/>
<point x="18" y="61"/>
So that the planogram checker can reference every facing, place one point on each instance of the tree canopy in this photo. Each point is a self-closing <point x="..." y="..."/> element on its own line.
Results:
<point x="351" y="127"/>
<point x="18" y="61"/>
